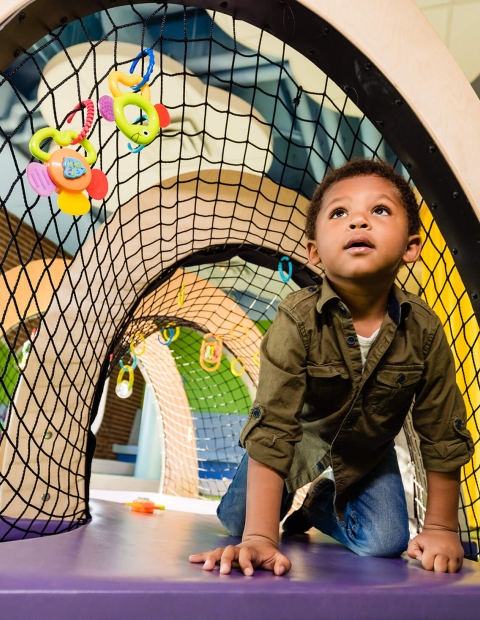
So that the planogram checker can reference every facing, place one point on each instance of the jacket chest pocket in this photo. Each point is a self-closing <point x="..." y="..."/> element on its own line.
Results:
<point x="328" y="387"/>
<point x="395" y="388"/>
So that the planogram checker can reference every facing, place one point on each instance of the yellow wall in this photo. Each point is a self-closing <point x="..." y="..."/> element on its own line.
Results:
<point x="445" y="292"/>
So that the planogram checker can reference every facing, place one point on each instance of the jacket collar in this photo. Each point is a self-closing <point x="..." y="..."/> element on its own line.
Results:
<point x="398" y="303"/>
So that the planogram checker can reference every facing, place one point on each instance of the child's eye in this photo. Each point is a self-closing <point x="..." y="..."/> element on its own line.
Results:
<point x="337" y="213"/>
<point x="381" y="210"/>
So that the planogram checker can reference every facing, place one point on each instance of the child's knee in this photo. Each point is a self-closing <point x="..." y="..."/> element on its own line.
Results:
<point x="387" y="544"/>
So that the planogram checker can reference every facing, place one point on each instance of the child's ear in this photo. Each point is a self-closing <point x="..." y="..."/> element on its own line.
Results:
<point x="312" y="253"/>
<point x="413" y="249"/>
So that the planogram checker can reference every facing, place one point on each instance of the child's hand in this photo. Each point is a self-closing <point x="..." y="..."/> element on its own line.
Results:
<point x="254" y="553"/>
<point x="439" y="550"/>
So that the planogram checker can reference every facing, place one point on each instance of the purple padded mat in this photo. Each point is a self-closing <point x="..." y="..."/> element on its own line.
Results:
<point x="20" y="529"/>
<point x="130" y="565"/>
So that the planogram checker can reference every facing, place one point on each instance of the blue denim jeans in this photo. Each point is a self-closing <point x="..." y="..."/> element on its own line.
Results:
<point x="375" y="521"/>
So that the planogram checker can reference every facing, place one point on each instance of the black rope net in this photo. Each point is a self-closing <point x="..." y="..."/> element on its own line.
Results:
<point x="184" y="259"/>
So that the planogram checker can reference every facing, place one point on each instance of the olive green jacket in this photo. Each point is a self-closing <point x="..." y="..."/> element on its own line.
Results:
<point x="315" y="407"/>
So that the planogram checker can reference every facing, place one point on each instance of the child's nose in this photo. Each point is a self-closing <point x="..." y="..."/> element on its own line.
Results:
<point x="358" y="222"/>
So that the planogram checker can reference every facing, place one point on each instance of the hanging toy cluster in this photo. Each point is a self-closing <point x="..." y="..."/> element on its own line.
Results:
<point x="170" y="333"/>
<point x="68" y="172"/>
<point x="65" y="171"/>
<point x="124" y="387"/>
<point x="212" y="346"/>
<point x="211" y="352"/>
<point x="113" y="108"/>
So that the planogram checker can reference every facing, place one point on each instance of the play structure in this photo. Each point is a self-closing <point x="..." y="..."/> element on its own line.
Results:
<point x="206" y="128"/>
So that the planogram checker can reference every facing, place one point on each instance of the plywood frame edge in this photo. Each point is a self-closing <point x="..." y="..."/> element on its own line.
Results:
<point x="399" y="40"/>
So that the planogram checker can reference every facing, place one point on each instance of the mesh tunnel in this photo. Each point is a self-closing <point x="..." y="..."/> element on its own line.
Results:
<point x="213" y="208"/>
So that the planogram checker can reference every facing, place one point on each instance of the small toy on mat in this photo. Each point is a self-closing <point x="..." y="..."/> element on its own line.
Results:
<point x="113" y="109"/>
<point x="143" y="504"/>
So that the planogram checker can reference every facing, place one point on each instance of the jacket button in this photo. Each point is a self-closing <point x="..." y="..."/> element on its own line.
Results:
<point x="312" y="288"/>
<point x="349" y="423"/>
<point x="342" y="309"/>
<point x="320" y="467"/>
<point x="401" y="378"/>
<point x="459" y="425"/>
<point x="351" y="340"/>
<point x="256" y="412"/>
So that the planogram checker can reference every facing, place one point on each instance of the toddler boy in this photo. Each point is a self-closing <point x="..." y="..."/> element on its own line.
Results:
<point x="340" y="367"/>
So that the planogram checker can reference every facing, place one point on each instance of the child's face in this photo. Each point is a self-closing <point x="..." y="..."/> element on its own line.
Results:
<point x="362" y="231"/>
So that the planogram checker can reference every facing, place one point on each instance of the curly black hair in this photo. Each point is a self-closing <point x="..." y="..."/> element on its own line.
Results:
<point x="361" y="168"/>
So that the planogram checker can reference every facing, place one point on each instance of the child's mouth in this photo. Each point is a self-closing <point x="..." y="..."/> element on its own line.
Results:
<point x="359" y="245"/>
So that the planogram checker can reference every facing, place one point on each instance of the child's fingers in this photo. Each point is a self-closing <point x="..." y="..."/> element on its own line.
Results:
<point x="210" y="558"/>
<point x="440" y="563"/>
<point x="197" y="557"/>
<point x="454" y="565"/>
<point x="428" y="560"/>
<point x="229" y="555"/>
<point x="414" y="551"/>
<point x="245" y="561"/>
<point x="282" y="565"/>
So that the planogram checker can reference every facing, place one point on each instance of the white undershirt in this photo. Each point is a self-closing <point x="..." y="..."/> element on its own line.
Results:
<point x="365" y="344"/>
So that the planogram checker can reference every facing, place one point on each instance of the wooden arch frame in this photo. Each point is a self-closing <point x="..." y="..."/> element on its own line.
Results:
<point x="409" y="102"/>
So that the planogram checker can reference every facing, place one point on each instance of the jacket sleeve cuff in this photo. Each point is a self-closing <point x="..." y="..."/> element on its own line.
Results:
<point x="263" y="444"/>
<point x="447" y="456"/>
<point x="267" y="449"/>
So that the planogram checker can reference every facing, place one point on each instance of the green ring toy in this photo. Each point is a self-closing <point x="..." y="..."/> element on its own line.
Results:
<point x="65" y="171"/>
<point x="62" y="138"/>
<point x="113" y="110"/>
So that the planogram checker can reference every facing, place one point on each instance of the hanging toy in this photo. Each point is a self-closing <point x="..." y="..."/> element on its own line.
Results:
<point x="27" y="346"/>
<point x="169" y="340"/>
<point x="124" y="387"/>
<point x="151" y="63"/>
<point x="88" y="103"/>
<point x="181" y="296"/>
<point x="24" y="355"/>
<point x="113" y="109"/>
<point x="143" y="345"/>
<point x="170" y="333"/>
<point x="211" y="352"/>
<point x="133" y="365"/>
<point x="233" y="367"/>
<point x="285" y="276"/>
<point x="246" y="333"/>
<point x="66" y="171"/>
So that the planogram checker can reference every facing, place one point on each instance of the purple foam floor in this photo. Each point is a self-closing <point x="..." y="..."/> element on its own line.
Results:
<point x="129" y="565"/>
